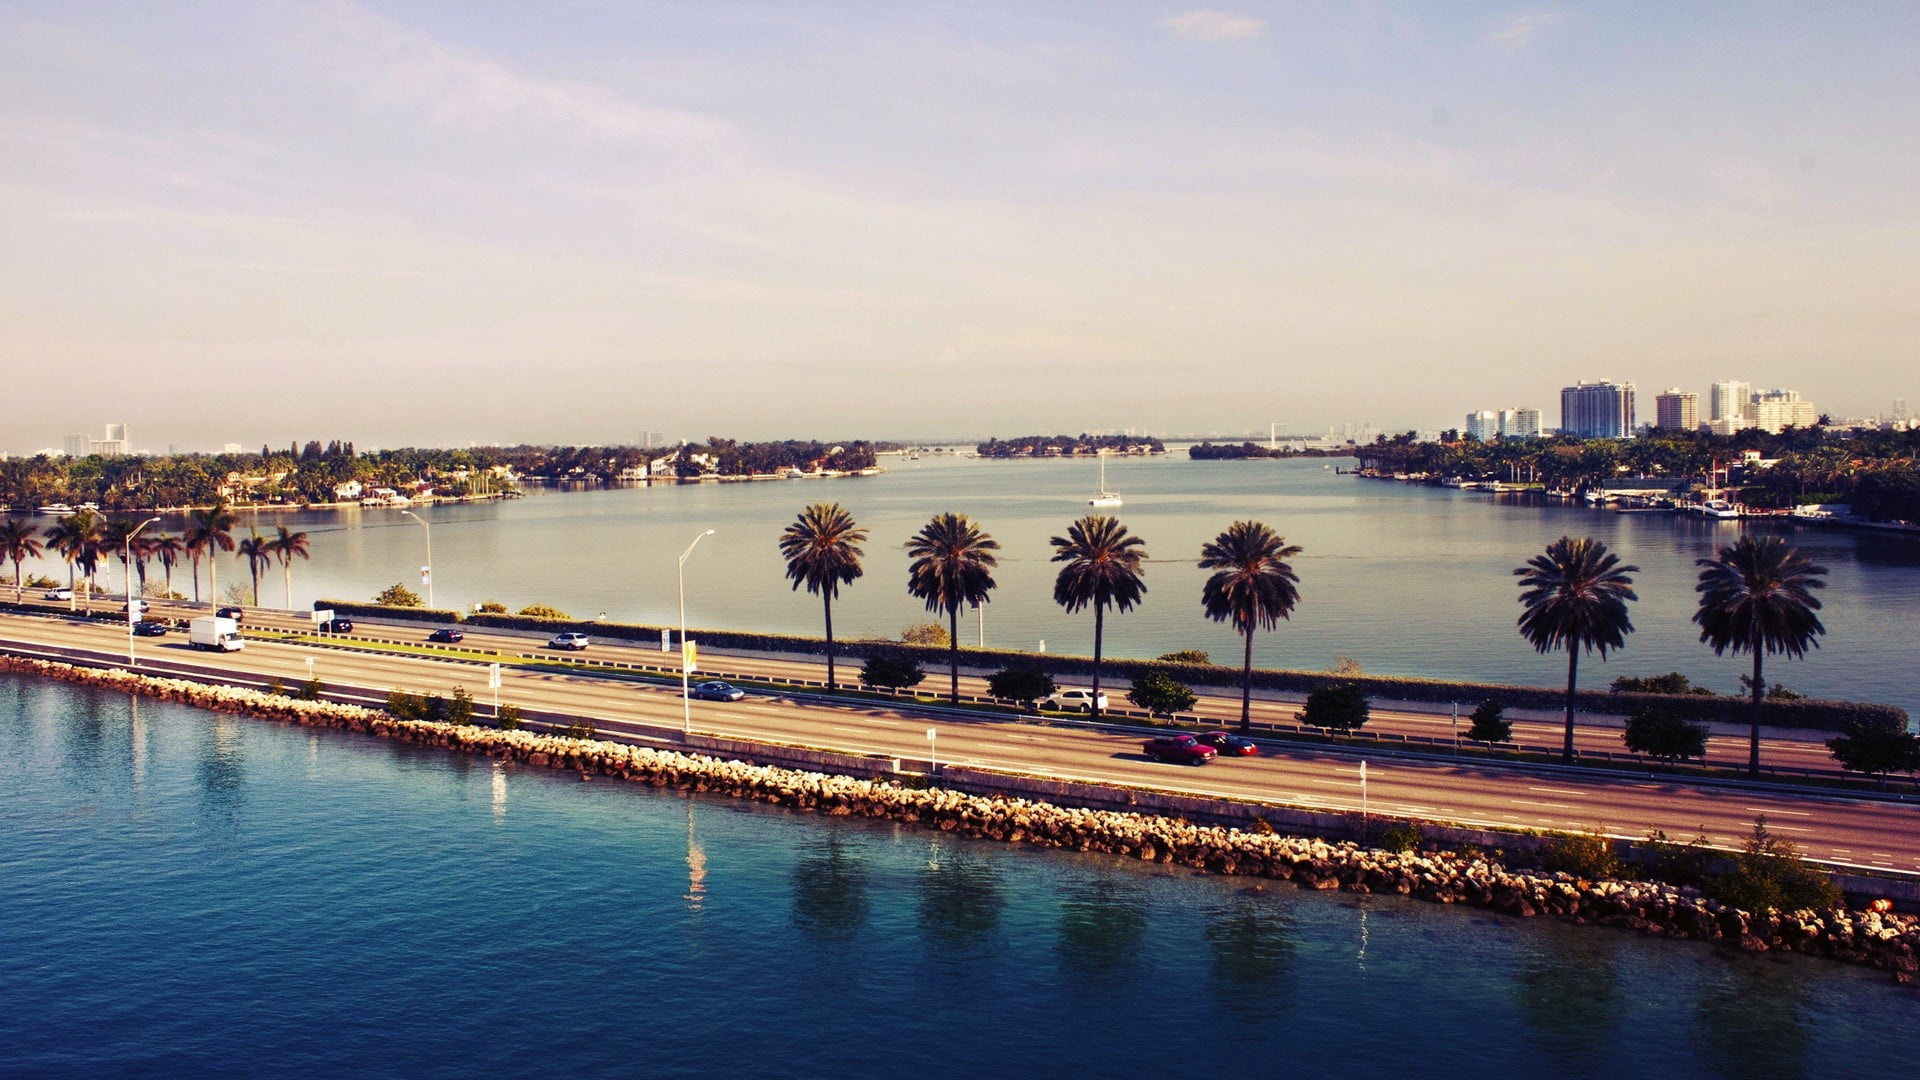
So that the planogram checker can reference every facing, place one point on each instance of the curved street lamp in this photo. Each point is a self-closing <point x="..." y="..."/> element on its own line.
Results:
<point x="427" y="570"/>
<point x="686" y="699"/>
<point x="133" y="602"/>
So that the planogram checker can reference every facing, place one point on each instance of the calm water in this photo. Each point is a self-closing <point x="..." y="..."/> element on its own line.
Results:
<point x="190" y="894"/>
<point x="1403" y="578"/>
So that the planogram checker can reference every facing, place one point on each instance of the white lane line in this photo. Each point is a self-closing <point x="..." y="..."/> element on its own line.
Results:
<point x="1557" y="790"/>
<point x="1545" y="805"/>
<point x="1025" y="738"/>
<point x="1790" y="828"/>
<point x="1777" y="810"/>
<point x="1415" y="809"/>
<point x="854" y="730"/>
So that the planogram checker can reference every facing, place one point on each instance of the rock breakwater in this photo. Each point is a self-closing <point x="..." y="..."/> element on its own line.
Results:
<point x="1880" y="939"/>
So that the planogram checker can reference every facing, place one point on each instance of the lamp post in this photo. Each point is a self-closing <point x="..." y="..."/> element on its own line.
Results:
<point x="686" y="699"/>
<point x="427" y="570"/>
<point x="133" y="602"/>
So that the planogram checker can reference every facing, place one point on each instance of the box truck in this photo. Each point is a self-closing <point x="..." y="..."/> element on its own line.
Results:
<point x="214" y="632"/>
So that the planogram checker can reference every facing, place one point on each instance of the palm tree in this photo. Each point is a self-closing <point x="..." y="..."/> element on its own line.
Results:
<point x="952" y="565"/>
<point x="1253" y="586"/>
<point x="1758" y="597"/>
<point x="288" y="546"/>
<point x="822" y="549"/>
<point x="77" y="539"/>
<point x="258" y="551"/>
<point x="1576" y="596"/>
<point x="167" y="548"/>
<point x="114" y="537"/>
<point x="209" y="532"/>
<point x="1103" y="568"/>
<point x="17" y="542"/>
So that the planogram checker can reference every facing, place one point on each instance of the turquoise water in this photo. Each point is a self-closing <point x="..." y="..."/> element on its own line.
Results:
<point x="1405" y="579"/>
<point x="183" y="893"/>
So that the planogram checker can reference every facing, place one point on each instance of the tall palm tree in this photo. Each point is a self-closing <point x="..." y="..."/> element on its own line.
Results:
<point x="114" y="537"/>
<point x="209" y="532"/>
<point x="1253" y="587"/>
<point x="18" y="541"/>
<point x="822" y="549"/>
<point x="258" y="551"/>
<point x="167" y="548"/>
<point x="1758" y="597"/>
<point x="1576" y="595"/>
<point x="952" y="565"/>
<point x="288" y="546"/>
<point x="77" y="539"/>
<point x="1102" y="569"/>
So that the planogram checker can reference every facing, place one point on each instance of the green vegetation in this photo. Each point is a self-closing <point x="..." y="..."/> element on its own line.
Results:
<point x="952" y="566"/>
<point x="1400" y="836"/>
<point x="1102" y="570"/>
<point x="1584" y="855"/>
<point x="1490" y="725"/>
<point x="1670" y="683"/>
<point x="1024" y="685"/>
<point x="1252" y="586"/>
<point x="1757" y="597"/>
<point x="1664" y="735"/>
<point x="1186" y="656"/>
<point x="1877" y="749"/>
<point x="1068" y="446"/>
<point x="1575" y="595"/>
<point x="1340" y="707"/>
<point x="582" y="729"/>
<point x="1769" y="873"/>
<point x="398" y="595"/>
<point x="891" y="671"/>
<point x="509" y="719"/>
<point x="536" y="611"/>
<point x="491" y="607"/>
<point x="1160" y="693"/>
<point x="209" y="532"/>
<point x="930" y="635"/>
<point x="18" y="542"/>
<point x="822" y="549"/>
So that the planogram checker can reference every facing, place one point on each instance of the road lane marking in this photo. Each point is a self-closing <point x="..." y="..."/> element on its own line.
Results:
<point x="1558" y="790"/>
<point x="1543" y="805"/>
<point x="1777" y="810"/>
<point x="1790" y="828"/>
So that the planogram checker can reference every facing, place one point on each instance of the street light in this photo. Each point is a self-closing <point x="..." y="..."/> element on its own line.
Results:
<point x="427" y="570"/>
<point x="686" y="700"/>
<point x="132" y="601"/>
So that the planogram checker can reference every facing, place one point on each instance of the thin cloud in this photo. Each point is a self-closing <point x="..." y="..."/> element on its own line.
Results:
<point x="1208" y="25"/>
<point x="1520" y="31"/>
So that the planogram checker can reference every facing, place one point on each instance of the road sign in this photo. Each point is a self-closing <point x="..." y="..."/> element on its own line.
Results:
<point x="689" y="655"/>
<point x="493" y="676"/>
<point x="426" y="575"/>
<point x="666" y="640"/>
<point x="322" y="615"/>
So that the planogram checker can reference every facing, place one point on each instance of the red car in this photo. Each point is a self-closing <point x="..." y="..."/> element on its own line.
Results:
<point x="1180" y="750"/>
<point x="1230" y="744"/>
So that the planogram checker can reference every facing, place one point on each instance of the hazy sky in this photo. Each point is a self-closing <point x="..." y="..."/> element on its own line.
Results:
<point x="443" y="222"/>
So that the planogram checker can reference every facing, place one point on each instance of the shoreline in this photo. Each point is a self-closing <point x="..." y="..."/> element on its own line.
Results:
<point x="1871" y="938"/>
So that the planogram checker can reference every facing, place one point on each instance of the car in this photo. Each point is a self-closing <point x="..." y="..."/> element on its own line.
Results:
<point x="137" y="606"/>
<point x="237" y="614"/>
<point x="1075" y="699"/>
<point x="1229" y="744"/>
<point x="716" y="691"/>
<point x="337" y="626"/>
<point x="150" y="628"/>
<point x="61" y="593"/>
<point x="1179" y="750"/>
<point x="447" y="635"/>
<point x="569" y="641"/>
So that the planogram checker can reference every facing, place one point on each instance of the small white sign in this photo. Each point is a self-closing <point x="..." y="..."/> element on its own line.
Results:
<point x="322" y="615"/>
<point x="426" y="575"/>
<point x="493" y="676"/>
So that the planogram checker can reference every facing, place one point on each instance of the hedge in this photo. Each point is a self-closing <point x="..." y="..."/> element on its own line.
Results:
<point x="1810" y="714"/>
<point x="347" y="609"/>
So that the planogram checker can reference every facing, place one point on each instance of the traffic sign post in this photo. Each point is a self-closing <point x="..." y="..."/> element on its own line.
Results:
<point x="493" y="682"/>
<point x="323" y="617"/>
<point x="933" y="760"/>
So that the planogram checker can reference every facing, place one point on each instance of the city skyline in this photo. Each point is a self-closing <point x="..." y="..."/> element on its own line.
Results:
<point x="441" y="224"/>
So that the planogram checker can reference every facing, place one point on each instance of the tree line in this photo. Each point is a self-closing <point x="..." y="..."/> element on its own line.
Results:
<point x="86" y="541"/>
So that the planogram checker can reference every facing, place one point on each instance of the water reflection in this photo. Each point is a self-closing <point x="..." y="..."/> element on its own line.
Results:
<point x="830" y="899"/>
<point x="961" y="900"/>
<point x="1253" y="949"/>
<point x="696" y="894"/>
<point x="221" y="768"/>
<point x="499" y="790"/>
<point x="1749" y="1023"/>
<point x="1103" y="923"/>
<point x="1568" y="992"/>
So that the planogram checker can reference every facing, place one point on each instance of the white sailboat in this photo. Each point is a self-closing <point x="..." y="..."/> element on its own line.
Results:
<point x="1105" y="498"/>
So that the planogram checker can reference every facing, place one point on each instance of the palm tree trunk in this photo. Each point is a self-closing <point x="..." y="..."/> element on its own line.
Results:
<point x="213" y="574"/>
<point x="1753" y="730"/>
<point x="255" y="571"/>
<point x="1246" y="687"/>
<point x="169" y="569"/>
<point x="196" y="579"/>
<point x="1099" y="629"/>
<point x="19" y="585"/>
<point x="953" y="654"/>
<point x="827" y="602"/>
<point x="1573" y="675"/>
<point x="286" y="569"/>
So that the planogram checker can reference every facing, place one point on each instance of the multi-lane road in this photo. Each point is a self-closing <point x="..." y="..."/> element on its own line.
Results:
<point x="1862" y="832"/>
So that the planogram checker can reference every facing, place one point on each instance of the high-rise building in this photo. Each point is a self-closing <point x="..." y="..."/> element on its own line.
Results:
<point x="1728" y="401"/>
<point x="1677" y="410"/>
<point x="77" y="445"/>
<point x="1482" y="425"/>
<point x="115" y="443"/>
<point x="1519" y="423"/>
<point x="1775" y="410"/>
<point x="1597" y="410"/>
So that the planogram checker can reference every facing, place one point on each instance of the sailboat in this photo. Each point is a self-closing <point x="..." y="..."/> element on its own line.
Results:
<point x="1105" y="497"/>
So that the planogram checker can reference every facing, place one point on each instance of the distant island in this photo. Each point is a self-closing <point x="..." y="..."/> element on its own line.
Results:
<point x="1207" y="451"/>
<point x="1042" y="446"/>
<point x="334" y="473"/>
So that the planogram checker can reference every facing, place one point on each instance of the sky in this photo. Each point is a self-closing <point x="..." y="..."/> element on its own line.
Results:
<point x="443" y="223"/>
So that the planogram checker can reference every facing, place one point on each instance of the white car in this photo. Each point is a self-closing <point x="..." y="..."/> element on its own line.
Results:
<point x="61" y="593"/>
<point x="568" y="641"/>
<point x="1076" y="699"/>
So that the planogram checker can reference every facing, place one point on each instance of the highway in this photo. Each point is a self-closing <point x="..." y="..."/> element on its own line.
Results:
<point x="1851" y="831"/>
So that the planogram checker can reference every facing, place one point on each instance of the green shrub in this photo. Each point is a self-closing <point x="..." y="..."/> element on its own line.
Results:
<point x="1160" y="693"/>
<point x="276" y="687"/>
<point x="1024" y="685"/>
<point x="491" y="607"/>
<point x="311" y="690"/>
<point x="1187" y="656"/>
<point x="929" y="634"/>
<point x="1490" y="724"/>
<point x="397" y="595"/>
<point x="1664" y="735"/>
<point x="1769" y="873"/>
<point x="543" y="611"/>
<point x="1671" y="683"/>
<point x="509" y="719"/>
<point x="405" y="706"/>
<point x="1877" y="749"/>
<point x="581" y="729"/>
<point x="460" y="709"/>
<point x="1675" y="863"/>
<point x="891" y="671"/>
<point x="1398" y="836"/>
<point x="1585" y="855"/>
<point x="1341" y="707"/>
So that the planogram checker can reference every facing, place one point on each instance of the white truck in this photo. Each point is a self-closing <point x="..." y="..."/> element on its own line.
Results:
<point x="216" y="633"/>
